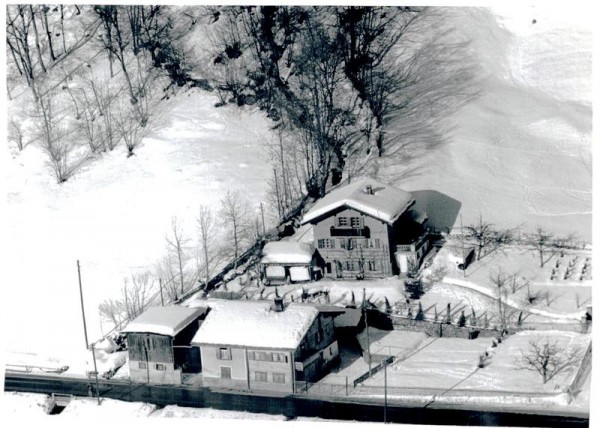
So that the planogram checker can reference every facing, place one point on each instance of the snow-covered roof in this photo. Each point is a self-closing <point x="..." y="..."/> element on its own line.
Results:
<point x="255" y="324"/>
<point x="166" y="320"/>
<point x="287" y="251"/>
<point x="385" y="202"/>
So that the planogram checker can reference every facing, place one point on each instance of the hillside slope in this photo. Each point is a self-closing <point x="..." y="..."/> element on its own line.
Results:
<point x="519" y="152"/>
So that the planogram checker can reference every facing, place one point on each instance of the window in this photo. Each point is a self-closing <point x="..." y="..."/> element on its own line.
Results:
<point x="326" y="243"/>
<point x="224" y="354"/>
<point x="355" y="222"/>
<point x="377" y="243"/>
<point x="161" y="367"/>
<point x="225" y="372"/>
<point x="318" y="336"/>
<point x="260" y="376"/>
<point x="342" y="221"/>
<point x="279" y="358"/>
<point x="142" y="365"/>
<point x="372" y="265"/>
<point x="349" y="265"/>
<point x="278" y="378"/>
<point x="343" y="243"/>
<point x="260" y="356"/>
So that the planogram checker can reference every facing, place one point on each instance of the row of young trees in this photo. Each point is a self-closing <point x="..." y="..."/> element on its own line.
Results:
<point x="221" y="235"/>
<point x="487" y="238"/>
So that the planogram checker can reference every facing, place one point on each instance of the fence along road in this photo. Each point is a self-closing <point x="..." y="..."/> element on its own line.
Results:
<point x="292" y="406"/>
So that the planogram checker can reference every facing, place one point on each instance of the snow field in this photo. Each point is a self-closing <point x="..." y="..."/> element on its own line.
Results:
<point x="113" y="216"/>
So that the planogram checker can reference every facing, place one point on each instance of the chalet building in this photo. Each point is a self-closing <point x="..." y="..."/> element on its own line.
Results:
<point x="289" y="261"/>
<point x="368" y="229"/>
<point x="159" y="344"/>
<point x="259" y="346"/>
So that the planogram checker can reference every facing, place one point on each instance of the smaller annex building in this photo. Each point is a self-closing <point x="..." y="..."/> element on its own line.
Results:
<point x="288" y="261"/>
<point x="159" y="344"/>
<point x="261" y="346"/>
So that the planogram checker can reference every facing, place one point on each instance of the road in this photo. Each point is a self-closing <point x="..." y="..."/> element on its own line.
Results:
<point x="291" y="406"/>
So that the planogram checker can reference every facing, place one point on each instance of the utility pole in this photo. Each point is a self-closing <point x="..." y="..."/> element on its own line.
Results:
<point x="364" y="304"/>
<point x="85" y="332"/>
<point x="385" y="392"/>
<point x="82" y="309"/>
<point x="262" y="213"/>
<point x="462" y="244"/>
<point x="162" y="301"/>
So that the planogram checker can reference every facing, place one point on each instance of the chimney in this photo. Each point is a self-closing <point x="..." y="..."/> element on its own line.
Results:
<point x="279" y="304"/>
<point x="369" y="189"/>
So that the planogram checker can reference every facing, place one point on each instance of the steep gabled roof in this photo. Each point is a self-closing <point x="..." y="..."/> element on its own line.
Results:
<point x="255" y="324"/>
<point x="385" y="203"/>
<point x="165" y="320"/>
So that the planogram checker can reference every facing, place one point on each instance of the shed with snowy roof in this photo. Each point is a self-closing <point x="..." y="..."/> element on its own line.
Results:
<point x="368" y="229"/>
<point x="289" y="261"/>
<point x="259" y="346"/>
<point x="158" y="343"/>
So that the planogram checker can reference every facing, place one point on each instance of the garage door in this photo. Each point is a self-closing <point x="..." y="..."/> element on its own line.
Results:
<point x="299" y="273"/>
<point x="275" y="272"/>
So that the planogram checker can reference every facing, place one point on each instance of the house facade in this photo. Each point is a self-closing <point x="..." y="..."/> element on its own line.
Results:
<point x="158" y="344"/>
<point x="368" y="229"/>
<point x="256" y="346"/>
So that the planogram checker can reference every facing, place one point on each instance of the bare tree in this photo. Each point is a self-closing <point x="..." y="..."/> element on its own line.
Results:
<point x="54" y="134"/>
<point x="234" y="213"/>
<point x="113" y="309"/>
<point x="542" y="241"/>
<point x="501" y="280"/>
<point x="207" y="229"/>
<point x="561" y="243"/>
<point x="137" y="294"/>
<point x="177" y="246"/>
<point x="15" y="132"/>
<point x="548" y="359"/>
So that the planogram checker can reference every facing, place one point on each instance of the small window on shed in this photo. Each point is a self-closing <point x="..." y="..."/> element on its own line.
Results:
<point x="224" y="353"/>
<point x="161" y="367"/>
<point x="142" y="365"/>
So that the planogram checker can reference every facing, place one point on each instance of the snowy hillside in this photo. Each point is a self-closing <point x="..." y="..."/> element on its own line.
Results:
<point x="520" y="150"/>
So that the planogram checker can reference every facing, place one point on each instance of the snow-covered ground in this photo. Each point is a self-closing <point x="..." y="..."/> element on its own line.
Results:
<point x="114" y="216"/>
<point x="519" y="152"/>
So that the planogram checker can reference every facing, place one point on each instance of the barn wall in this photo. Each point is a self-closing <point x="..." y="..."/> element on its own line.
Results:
<point x="150" y="347"/>
<point x="151" y="374"/>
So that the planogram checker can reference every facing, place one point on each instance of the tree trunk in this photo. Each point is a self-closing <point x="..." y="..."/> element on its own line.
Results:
<point x="180" y="267"/>
<point x="48" y="33"/>
<point x="37" y="39"/>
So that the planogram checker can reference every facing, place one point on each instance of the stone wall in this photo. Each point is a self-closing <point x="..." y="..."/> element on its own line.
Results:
<point x="437" y="329"/>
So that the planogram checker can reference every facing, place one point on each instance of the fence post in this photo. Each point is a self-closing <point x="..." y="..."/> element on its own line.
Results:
<point x="346" y="386"/>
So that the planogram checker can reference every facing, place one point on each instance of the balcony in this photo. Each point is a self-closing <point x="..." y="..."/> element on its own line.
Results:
<point x="363" y="232"/>
<point x="413" y="246"/>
